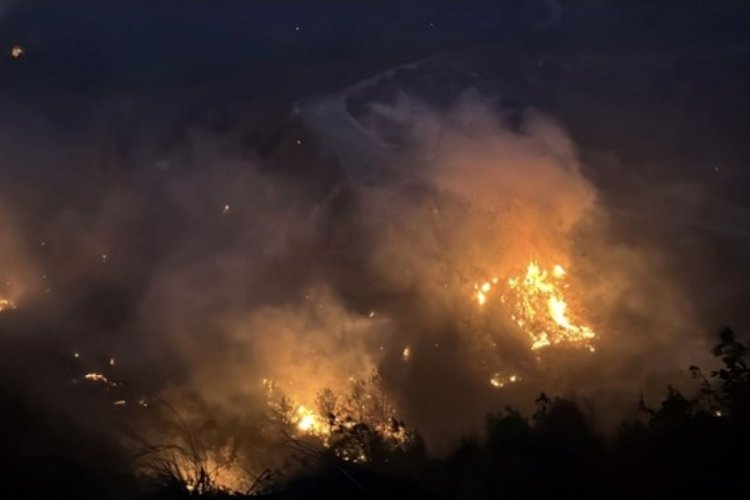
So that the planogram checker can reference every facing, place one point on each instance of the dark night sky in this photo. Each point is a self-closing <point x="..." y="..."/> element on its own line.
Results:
<point x="100" y="45"/>
<point x="192" y="60"/>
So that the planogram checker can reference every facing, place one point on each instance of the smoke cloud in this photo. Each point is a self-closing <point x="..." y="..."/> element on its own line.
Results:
<point x="207" y="272"/>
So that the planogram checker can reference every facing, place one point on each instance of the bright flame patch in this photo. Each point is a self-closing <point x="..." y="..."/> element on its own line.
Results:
<point x="537" y="305"/>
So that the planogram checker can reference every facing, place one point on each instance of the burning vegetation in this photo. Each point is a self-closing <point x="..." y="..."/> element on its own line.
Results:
<point x="536" y="302"/>
<point x="343" y="422"/>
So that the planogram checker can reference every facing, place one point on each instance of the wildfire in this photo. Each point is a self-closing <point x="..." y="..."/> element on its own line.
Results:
<point x="216" y="471"/>
<point x="537" y="304"/>
<point x="340" y="417"/>
<point x="310" y="423"/>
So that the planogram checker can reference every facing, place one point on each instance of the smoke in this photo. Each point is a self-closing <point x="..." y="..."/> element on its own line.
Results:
<point x="473" y="192"/>
<point x="311" y="292"/>
<point x="210" y="272"/>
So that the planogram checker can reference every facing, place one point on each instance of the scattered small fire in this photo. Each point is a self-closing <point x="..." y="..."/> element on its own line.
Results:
<point x="96" y="377"/>
<point x="537" y="305"/>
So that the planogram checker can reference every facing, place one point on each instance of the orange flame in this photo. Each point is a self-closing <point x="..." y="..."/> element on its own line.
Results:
<point x="537" y="305"/>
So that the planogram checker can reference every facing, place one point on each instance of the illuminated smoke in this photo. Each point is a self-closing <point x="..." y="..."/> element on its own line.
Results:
<point x="462" y="268"/>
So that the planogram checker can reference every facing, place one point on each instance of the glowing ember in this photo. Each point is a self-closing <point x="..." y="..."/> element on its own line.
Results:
<point x="96" y="377"/>
<point x="406" y="354"/>
<point x="499" y="380"/>
<point x="16" y="51"/>
<point x="558" y="271"/>
<point x="6" y="304"/>
<point x="538" y="307"/>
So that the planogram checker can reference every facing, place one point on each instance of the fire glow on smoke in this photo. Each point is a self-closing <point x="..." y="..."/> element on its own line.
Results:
<point x="537" y="300"/>
<point x="322" y="358"/>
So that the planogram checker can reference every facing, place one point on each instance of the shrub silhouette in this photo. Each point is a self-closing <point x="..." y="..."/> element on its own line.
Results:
<point x="687" y="446"/>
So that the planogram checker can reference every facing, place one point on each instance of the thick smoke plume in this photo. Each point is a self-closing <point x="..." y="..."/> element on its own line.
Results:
<point x="211" y="273"/>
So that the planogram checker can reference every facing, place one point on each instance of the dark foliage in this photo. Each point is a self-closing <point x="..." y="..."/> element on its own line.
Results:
<point x="687" y="447"/>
